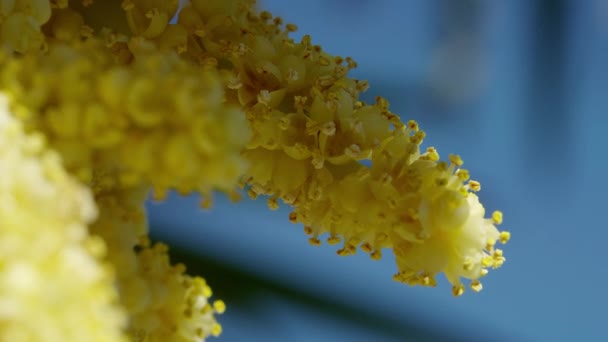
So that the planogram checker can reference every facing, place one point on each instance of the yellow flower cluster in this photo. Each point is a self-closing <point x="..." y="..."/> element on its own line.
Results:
<point x="53" y="285"/>
<point x="102" y="102"/>
<point x="162" y="302"/>
<point x="310" y="133"/>
<point x="116" y="125"/>
<point x="111" y="95"/>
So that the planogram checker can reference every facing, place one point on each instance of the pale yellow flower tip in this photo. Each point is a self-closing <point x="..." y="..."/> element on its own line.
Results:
<point x="460" y="243"/>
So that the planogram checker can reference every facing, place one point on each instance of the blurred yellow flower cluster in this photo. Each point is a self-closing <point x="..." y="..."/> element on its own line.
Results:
<point x="54" y="284"/>
<point x="105" y="100"/>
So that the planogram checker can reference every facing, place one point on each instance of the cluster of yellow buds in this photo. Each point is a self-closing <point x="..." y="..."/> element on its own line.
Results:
<point x="107" y="100"/>
<point x="54" y="284"/>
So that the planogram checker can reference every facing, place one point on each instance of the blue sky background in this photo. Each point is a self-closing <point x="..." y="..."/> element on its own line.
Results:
<point x="520" y="90"/>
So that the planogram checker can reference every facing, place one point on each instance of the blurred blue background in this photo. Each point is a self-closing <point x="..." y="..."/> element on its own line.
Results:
<point x="519" y="89"/>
